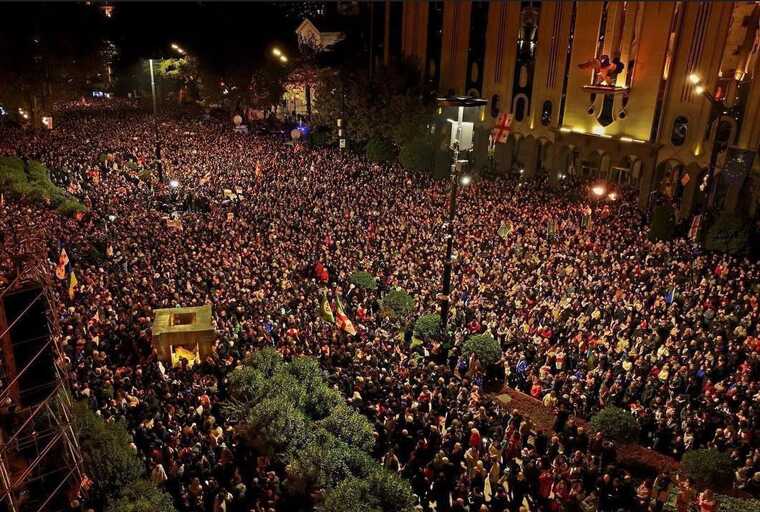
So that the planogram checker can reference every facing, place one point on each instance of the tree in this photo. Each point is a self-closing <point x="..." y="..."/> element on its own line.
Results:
<point x="616" y="423"/>
<point x="728" y="234"/>
<point x="417" y="154"/>
<point x="663" y="223"/>
<point x="275" y="426"/>
<point x="350" y="427"/>
<point x="380" y="150"/>
<point x="485" y="348"/>
<point x="428" y="326"/>
<point x="364" y="280"/>
<point x="709" y="466"/>
<point x="142" y="496"/>
<point x="397" y="304"/>
<point x="108" y="458"/>
<point x="286" y="410"/>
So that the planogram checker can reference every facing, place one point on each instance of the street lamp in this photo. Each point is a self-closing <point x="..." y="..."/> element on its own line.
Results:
<point x="283" y="58"/>
<point x="716" y="107"/>
<point x="176" y="48"/>
<point x="276" y="52"/>
<point x="598" y="190"/>
<point x="461" y="140"/>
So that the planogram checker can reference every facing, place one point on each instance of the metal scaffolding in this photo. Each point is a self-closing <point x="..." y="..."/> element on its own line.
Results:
<point x="40" y="460"/>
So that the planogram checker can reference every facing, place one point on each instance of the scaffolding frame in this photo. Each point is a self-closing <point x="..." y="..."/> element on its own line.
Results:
<point x="40" y="458"/>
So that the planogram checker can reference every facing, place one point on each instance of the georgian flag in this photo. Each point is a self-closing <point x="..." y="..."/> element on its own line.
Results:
<point x="503" y="126"/>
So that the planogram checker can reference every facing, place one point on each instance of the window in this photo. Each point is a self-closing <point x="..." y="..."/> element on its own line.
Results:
<point x="495" y="105"/>
<point x="520" y="107"/>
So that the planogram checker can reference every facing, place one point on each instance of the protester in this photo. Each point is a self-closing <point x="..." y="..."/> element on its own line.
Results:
<point x="594" y="315"/>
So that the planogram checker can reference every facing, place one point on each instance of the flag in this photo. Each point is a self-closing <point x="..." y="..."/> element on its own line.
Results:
<point x="342" y="320"/>
<point x="669" y="296"/>
<point x="694" y="229"/>
<point x="325" y="311"/>
<point x="95" y="318"/>
<point x="505" y="230"/>
<point x="72" y="285"/>
<point x="501" y="130"/>
<point x="63" y="258"/>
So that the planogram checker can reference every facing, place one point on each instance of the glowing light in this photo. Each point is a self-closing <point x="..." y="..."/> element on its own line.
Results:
<point x="613" y="196"/>
<point x="578" y="130"/>
<point x="522" y="171"/>
<point x="697" y="150"/>
<point x="699" y="89"/>
<point x="283" y="58"/>
<point x="626" y="139"/>
<point x="565" y="129"/>
<point x="276" y="52"/>
<point x="598" y="190"/>
<point x="694" y="78"/>
<point x="174" y="183"/>
<point x="598" y="130"/>
<point x="465" y="180"/>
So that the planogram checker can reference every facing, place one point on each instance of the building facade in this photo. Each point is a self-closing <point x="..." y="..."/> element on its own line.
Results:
<point x="644" y="94"/>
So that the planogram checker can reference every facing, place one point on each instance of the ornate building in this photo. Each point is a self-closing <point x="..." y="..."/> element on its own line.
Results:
<point x="644" y="94"/>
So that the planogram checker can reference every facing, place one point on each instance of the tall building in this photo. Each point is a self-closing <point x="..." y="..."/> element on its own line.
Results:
<point x="645" y="94"/>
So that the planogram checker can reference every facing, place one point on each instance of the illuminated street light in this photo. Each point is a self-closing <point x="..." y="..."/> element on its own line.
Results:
<point x="700" y="89"/>
<point x="177" y="48"/>
<point x="283" y="58"/>
<point x="465" y="180"/>
<point x="598" y="190"/>
<point x="694" y="78"/>
<point x="276" y="52"/>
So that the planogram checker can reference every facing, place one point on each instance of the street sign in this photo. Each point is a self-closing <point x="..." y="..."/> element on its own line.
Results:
<point x="342" y="143"/>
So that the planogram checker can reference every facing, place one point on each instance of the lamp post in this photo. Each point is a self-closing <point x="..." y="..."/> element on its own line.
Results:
<point x="152" y="86"/>
<point x="461" y="140"/>
<point x="716" y="107"/>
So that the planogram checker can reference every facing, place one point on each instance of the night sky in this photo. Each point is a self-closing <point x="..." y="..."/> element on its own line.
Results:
<point x="218" y="33"/>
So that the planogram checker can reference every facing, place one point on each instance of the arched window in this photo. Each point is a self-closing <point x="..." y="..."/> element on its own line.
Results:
<point x="495" y="105"/>
<point x="520" y="107"/>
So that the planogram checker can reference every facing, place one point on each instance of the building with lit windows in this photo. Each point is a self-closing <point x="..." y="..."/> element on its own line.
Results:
<point x="644" y="94"/>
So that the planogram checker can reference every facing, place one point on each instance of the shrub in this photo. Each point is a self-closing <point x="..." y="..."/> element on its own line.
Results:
<point x="69" y="207"/>
<point x="380" y="150"/>
<point x="142" y="496"/>
<point x="485" y="347"/>
<point x="364" y="280"/>
<point x="709" y="466"/>
<point x="428" y="326"/>
<point x="616" y="423"/>
<point x="731" y="504"/>
<point x="108" y="458"/>
<point x="382" y="491"/>
<point x="663" y="223"/>
<point x="728" y="234"/>
<point x="418" y="154"/>
<point x="35" y="185"/>
<point x="397" y="304"/>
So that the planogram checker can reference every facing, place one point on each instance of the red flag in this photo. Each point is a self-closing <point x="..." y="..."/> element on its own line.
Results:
<point x="342" y="320"/>
<point x="503" y="126"/>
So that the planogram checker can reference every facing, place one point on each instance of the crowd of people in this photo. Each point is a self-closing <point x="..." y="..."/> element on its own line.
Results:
<point x="588" y="315"/>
